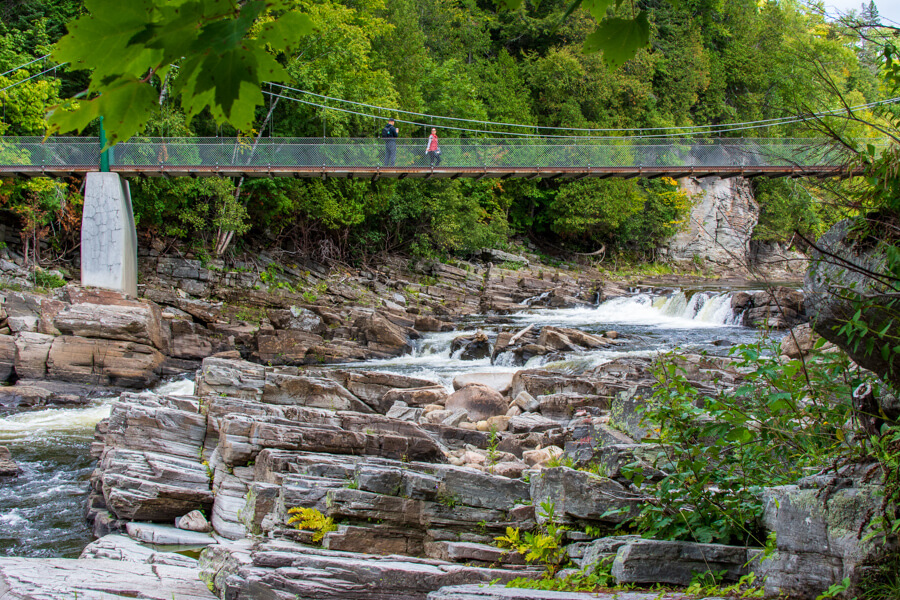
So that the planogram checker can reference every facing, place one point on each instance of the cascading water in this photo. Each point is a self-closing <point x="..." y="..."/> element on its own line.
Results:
<point x="42" y="510"/>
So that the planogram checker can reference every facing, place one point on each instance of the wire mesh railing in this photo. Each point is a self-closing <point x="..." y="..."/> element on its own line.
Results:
<point x="455" y="153"/>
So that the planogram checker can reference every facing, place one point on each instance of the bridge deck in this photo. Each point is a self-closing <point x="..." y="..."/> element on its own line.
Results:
<point x="474" y="158"/>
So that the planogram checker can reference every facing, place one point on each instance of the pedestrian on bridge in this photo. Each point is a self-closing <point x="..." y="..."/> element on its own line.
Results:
<point x="390" y="134"/>
<point x="432" y="150"/>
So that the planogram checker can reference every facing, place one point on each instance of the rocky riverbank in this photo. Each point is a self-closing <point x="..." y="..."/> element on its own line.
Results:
<point x="417" y="474"/>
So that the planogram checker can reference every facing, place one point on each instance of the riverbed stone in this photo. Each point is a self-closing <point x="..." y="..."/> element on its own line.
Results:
<point x="663" y="561"/>
<point x="97" y="579"/>
<point x="418" y="397"/>
<point x="8" y="467"/>
<point x="7" y="357"/>
<point x="498" y="380"/>
<point x="579" y="496"/>
<point x="479" y="401"/>
<point x="314" y="392"/>
<point x="193" y="521"/>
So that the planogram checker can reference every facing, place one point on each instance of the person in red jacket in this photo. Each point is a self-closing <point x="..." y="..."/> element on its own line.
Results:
<point x="432" y="150"/>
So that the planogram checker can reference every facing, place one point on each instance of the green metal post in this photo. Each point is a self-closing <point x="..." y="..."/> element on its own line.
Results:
<point x="105" y="154"/>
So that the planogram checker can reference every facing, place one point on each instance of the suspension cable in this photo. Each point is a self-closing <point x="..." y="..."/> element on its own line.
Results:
<point x="774" y="121"/>
<point x="12" y="85"/>
<point x="746" y="127"/>
<point x="25" y="65"/>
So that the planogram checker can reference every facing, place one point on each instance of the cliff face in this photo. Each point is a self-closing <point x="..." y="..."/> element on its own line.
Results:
<point x="721" y="222"/>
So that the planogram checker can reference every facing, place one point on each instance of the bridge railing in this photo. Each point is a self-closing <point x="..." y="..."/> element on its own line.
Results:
<point x="56" y="152"/>
<point x="474" y="153"/>
<point x="460" y="153"/>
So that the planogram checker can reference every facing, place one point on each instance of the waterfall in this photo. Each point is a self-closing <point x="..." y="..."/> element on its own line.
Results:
<point x="701" y="309"/>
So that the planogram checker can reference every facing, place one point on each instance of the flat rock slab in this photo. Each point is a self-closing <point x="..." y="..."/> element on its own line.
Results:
<point x="166" y="535"/>
<point x="660" y="561"/>
<point x="123" y="548"/>
<point x="275" y="569"/>
<point x="498" y="592"/>
<point x="97" y="579"/>
<point x="498" y="380"/>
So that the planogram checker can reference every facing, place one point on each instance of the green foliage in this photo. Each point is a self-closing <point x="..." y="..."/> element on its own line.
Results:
<point x="46" y="279"/>
<point x="544" y="545"/>
<point x="220" y="48"/>
<point x="719" y="451"/>
<point x="310" y="519"/>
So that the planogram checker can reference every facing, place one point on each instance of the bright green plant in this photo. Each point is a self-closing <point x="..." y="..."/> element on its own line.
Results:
<point x="46" y="279"/>
<point x="544" y="545"/>
<point x="310" y="519"/>
<point x="719" y="451"/>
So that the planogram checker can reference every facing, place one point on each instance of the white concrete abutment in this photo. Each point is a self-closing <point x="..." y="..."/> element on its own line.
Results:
<point x="108" y="236"/>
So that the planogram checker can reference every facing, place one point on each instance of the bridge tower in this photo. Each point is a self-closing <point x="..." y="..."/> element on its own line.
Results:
<point x="108" y="235"/>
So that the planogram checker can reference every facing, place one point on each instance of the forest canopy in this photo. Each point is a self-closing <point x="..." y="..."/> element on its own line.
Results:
<point x="707" y="62"/>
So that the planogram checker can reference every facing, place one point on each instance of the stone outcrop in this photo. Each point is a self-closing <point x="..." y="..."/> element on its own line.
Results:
<point x="259" y="570"/>
<point x="829" y="311"/>
<point x="722" y="218"/>
<point x="826" y="531"/>
<point x="97" y="579"/>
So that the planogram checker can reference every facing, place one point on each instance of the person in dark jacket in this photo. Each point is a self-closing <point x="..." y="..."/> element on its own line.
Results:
<point x="390" y="134"/>
<point x="432" y="149"/>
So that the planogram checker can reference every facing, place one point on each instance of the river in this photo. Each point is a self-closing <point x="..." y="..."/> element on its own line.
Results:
<point x="41" y="511"/>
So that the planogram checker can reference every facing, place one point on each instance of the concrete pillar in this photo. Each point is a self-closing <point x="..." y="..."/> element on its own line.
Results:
<point x="108" y="237"/>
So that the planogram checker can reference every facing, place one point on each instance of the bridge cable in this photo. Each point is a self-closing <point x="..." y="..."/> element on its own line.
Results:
<point x="12" y="85"/>
<point x="779" y="120"/>
<point x="796" y="119"/>
<point x="25" y="65"/>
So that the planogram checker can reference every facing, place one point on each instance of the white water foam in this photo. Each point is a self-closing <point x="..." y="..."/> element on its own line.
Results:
<point x="703" y="310"/>
<point x="41" y="423"/>
<point x="181" y="387"/>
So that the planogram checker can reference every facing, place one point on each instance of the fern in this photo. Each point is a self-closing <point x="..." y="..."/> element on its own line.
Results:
<point x="310" y="519"/>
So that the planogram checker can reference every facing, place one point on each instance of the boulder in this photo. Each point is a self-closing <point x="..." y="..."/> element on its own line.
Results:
<point x="193" y="521"/>
<point x="429" y="323"/>
<point x="531" y="422"/>
<point x="471" y="347"/>
<point x="98" y="579"/>
<point x="314" y="392"/>
<point x="421" y="396"/>
<point x="298" y="319"/>
<point x="499" y="380"/>
<point x="23" y="311"/>
<point x="580" y="497"/>
<point x="799" y="341"/>
<point x="478" y="401"/>
<point x="8" y="467"/>
<point x="660" y="561"/>
<point x="380" y="334"/>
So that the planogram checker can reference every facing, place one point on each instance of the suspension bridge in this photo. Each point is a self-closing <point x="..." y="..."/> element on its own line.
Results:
<point x="532" y="158"/>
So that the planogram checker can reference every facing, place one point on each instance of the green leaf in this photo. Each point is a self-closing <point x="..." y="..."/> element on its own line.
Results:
<point x="509" y="4"/>
<point x="598" y="8"/>
<point x="619" y="39"/>
<point x="101" y="40"/>
<point x="125" y="108"/>
<point x="284" y="32"/>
